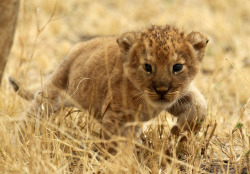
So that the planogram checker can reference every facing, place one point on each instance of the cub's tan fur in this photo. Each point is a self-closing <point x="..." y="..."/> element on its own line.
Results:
<point x="108" y="76"/>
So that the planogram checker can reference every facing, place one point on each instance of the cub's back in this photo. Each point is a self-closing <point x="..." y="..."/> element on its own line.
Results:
<point x="90" y="70"/>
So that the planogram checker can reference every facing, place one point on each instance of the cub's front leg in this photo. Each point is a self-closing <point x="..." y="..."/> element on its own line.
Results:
<point x="114" y="123"/>
<point x="191" y="110"/>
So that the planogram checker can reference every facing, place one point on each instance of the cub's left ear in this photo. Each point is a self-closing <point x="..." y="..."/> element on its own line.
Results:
<point x="199" y="43"/>
<point x="126" y="41"/>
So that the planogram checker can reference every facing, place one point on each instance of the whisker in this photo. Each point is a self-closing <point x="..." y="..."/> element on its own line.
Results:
<point x="182" y="100"/>
<point x="134" y="96"/>
<point x="138" y="100"/>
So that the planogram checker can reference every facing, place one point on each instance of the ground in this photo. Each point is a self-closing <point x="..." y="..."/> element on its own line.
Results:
<point x="69" y="141"/>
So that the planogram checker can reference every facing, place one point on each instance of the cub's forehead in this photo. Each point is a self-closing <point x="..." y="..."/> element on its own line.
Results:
<point x="162" y="34"/>
<point x="163" y="43"/>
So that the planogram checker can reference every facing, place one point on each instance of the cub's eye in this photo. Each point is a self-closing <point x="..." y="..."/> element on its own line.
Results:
<point x="177" y="68"/>
<point x="148" y="68"/>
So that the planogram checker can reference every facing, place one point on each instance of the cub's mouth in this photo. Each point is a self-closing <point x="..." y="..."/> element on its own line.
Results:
<point x="162" y="99"/>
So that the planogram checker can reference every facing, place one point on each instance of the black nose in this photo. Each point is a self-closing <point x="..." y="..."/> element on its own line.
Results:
<point x="161" y="90"/>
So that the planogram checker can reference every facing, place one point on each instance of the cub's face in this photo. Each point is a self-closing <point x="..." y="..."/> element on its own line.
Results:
<point x="161" y="61"/>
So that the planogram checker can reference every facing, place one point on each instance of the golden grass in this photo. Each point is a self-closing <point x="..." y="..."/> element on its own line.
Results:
<point x="69" y="142"/>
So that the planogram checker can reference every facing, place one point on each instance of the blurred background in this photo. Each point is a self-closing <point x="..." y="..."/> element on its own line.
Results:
<point x="46" y="31"/>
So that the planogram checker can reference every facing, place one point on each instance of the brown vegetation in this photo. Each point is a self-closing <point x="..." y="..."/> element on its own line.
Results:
<point x="69" y="141"/>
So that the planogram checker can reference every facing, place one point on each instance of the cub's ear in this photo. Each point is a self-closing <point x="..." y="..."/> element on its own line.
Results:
<point x="199" y="43"/>
<point x="126" y="40"/>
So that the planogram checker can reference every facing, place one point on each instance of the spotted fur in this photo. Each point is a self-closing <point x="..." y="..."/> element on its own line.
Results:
<point x="107" y="76"/>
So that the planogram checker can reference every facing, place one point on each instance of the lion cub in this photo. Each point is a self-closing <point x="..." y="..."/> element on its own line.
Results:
<point x="131" y="78"/>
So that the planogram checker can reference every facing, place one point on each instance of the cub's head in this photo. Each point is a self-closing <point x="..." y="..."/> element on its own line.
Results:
<point x="161" y="61"/>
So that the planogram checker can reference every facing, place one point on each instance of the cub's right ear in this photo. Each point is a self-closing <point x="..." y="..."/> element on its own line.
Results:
<point x="198" y="42"/>
<point x="126" y="40"/>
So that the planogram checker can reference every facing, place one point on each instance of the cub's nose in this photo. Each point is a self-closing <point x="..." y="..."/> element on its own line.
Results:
<point x="161" y="90"/>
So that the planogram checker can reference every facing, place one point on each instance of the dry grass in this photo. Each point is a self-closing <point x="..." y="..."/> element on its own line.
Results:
<point x="69" y="142"/>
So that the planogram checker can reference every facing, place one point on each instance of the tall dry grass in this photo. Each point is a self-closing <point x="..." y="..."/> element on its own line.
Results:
<point x="69" y="141"/>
